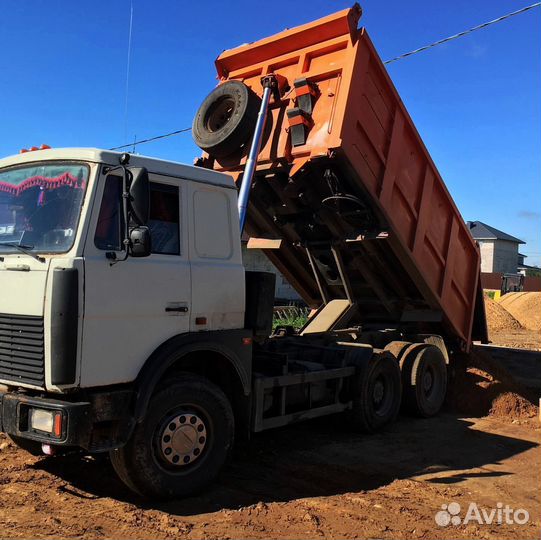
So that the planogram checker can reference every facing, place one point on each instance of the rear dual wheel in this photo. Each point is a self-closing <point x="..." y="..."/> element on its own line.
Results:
<point x="424" y="379"/>
<point x="411" y="375"/>
<point x="377" y="393"/>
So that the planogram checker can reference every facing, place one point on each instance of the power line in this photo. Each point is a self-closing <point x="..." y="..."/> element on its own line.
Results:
<point x="405" y="55"/>
<point x="460" y="34"/>
<point x="151" y="139"/>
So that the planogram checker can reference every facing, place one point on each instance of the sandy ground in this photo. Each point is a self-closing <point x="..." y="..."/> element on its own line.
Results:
<point x="498" y="318"/>
<point x="518" y="339"/>
<point x="525" y="307"/>
<point x="315" y="480"/>
<point x="312" y="480"/>
<point x="515" y="321"/>
<point x="318" y="479"/>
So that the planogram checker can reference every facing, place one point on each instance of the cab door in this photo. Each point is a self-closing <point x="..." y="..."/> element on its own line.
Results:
<point x="131" y="307"/>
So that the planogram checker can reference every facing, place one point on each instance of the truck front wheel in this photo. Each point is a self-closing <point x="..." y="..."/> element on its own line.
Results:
<point x="181" y="444"/>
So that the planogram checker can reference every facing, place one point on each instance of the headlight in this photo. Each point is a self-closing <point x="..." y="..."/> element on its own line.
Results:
<point x="47" y="421"/>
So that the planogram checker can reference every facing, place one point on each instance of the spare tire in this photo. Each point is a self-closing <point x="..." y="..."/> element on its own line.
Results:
<point x="226" y="119"/>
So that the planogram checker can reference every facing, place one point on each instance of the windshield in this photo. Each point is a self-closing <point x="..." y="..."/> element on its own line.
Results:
<point x="40" y="206"/>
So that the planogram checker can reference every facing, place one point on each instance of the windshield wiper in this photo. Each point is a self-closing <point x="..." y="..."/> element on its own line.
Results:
<point x="24" y="248"/>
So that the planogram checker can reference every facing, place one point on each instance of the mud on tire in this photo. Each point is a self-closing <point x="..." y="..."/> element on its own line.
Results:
<point x="148" y="463"/>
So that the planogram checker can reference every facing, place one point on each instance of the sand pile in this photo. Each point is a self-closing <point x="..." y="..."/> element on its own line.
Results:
<point x="525" y="307"/>
<point x="498" y="318"/>
<point x="514" y="406"/>
<point x="480" y="386"/>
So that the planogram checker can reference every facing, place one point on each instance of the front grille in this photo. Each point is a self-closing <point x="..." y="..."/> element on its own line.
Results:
<point x="22" y="357"/>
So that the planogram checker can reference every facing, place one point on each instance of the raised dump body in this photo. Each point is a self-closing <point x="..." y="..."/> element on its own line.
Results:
<point x="346" y="187"/>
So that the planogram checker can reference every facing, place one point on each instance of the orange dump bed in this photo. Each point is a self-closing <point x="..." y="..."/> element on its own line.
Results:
<point x="342" y="165"/>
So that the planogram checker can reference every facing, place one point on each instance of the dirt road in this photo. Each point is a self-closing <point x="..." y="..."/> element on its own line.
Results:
<point x="519" y="339"/>
<point x="307" y="481"/>
<point x="318" y="479"/>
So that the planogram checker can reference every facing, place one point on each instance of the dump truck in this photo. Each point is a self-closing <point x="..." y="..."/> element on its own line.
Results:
<point x="128" y="323"/>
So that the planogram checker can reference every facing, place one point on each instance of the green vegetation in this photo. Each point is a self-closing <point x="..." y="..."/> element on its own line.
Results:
<point x="289" y="316"/>
<point x="295" y="322"/>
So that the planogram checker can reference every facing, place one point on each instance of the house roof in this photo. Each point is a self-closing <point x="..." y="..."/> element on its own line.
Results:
<point x="482" y="231"/>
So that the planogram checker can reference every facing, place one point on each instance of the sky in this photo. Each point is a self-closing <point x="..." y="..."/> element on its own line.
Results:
<point x="476" y="101"/>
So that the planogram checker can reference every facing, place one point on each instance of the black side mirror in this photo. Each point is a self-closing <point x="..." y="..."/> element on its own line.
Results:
<point x="140" y="242"/>
<point x="139" y="195"/>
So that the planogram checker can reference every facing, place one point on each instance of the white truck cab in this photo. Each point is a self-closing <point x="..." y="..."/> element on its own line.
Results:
<point x="65" y="210"/>
<point x="82" y="327"/>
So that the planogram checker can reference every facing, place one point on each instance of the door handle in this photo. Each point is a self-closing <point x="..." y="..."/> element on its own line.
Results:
<point x="178" y="309"/>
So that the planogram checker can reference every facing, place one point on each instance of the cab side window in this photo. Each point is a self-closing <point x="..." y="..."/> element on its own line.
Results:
<point x="164" y="219"/>
<point x="163" y="223"/>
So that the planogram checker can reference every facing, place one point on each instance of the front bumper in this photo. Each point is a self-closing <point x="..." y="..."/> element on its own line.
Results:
<point x="76" y="419"/>
<point x="92" y="425"/>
